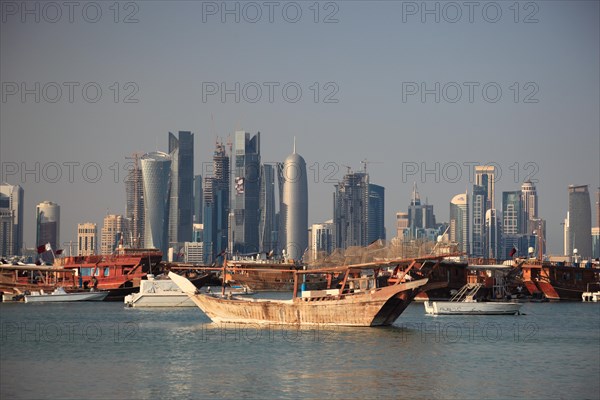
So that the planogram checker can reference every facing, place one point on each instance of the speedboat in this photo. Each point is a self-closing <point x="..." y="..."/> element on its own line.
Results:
<point x="60" y="295"/>
<point x="464" y="303"/>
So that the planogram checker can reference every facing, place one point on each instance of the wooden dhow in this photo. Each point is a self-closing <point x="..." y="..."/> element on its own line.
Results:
<point x="356" y="302"/>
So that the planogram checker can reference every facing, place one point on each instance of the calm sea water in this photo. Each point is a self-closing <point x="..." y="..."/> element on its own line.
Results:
<point x="103" y="350"/>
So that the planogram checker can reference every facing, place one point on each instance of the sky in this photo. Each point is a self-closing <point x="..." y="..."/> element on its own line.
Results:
<point x="422" y="90"/>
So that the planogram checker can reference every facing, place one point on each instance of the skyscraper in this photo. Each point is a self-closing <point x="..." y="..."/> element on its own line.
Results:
<point x="479" y="206"/>
<point x="156" y="175"/>
<point x="115" y="230"/>
<point x="294" y="205"/>
<point x="376" y="213"/>
<point x="485" y="175"/>
<point x="48" y="226"/>
<point x="266" y="226"/>
<point x="134" y="190"/>
<point x="245" y="207"/>
<point x="512" y="220"/>
<point x="580" y="220"/>
<point x="350" y="210"/>
<point x="322" y="236"/>
<point x="420" y="216"/>
<point x="216" y="205"/>
<point x="11" y="210"/>
<point x="493" y="230"/>
<point x="181" y="213"/>
<point x="198" y="199"/>
<point x="529" y="207"/>
<point x="459" y="221"/>
<point x="87" y="239"/>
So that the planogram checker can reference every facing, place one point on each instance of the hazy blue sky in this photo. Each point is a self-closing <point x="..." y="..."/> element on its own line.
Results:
<point x="369" y="56"/>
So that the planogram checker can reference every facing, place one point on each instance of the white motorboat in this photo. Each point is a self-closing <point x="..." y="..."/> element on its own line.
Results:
<point x="464" y="303"/>
<point x="158" y="293"/>
<point x="60" y="295"/>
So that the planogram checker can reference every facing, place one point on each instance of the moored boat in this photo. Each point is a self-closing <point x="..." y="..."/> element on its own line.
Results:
<point x="158" y="293"/>
<point x="60" y="295"/>
<point x="464" y="303"/>
<point x="357" y="302"/>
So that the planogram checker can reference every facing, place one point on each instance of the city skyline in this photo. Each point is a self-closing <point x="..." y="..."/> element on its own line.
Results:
<point x="553" y="141"/>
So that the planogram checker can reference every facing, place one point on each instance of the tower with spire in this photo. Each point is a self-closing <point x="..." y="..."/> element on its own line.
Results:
<point x="420" y="216"/>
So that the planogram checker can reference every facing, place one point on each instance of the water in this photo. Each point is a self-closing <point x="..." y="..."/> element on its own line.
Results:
<point x="103" y="350"/>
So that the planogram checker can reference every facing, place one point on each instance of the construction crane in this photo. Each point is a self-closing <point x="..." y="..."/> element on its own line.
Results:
<point x="364" y="162"/>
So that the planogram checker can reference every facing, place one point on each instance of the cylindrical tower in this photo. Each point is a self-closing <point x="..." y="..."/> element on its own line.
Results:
<point x="295" y="205"/>
<point x="156" y="175"/>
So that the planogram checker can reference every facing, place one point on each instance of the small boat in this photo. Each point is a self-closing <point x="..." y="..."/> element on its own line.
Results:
<point x="60" y="295"/>
<point x="357" y="302"/>
<point x="234" y="290"/>
<point x="158" y="293"/>
<point x="464" y="303"/>
<point x="590" y="296"/>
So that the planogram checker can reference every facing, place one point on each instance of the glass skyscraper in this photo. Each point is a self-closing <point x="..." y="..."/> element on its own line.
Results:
<point x="479" y="206"/>
<point x="156" y="175"/>
<point x="459" y="221"/>
<point x="216" y="206"/>
<point x="181" y="211"/>
<point x="266" y="226"/>
<point x="48" y="227"/>
<point x="580" y="221"/>
<point x="198" y="199"/>
<point x="246" y="193"/>
<point x="376" y="213"/>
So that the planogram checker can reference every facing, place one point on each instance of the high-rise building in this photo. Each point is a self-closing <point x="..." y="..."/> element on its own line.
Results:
<point x="294" y="206"/>
<point x="115" y="231"/>
<point x="322" y="236"/>
<point x="6" y="231"/>
<point x="529" y="207"/>
<point x="156" y="175"/>
<point x="11" y="214"/>
<point x="246" y="193"/>
<point x="580" y="221"/>
<point x="134" y="190"/>
<point x="266" y="226"/>
<point x="566" y="242"/>
<point x="511" y="213"/>
<point x="479" y="208"/>
<point x="181" y="212"/>
<point x="216" y="206"/>
<point x="87" y="239"/>
<point x="513" y="236"/>
<point x="402" y="225"/>
<point x="376" y="213"/>
<point x="350" y="210"/>
<point x="193" y="252"/>
<point x="420" y="216"/>
<point x="48" y="226"/>
<point x="485" y="175"/>
<point x="596" y="242"/>
<point x="198" y="199"/>
<point x="493" y="231"/>
<point x="459" y="221"/>
<point x="598" y="208"/>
